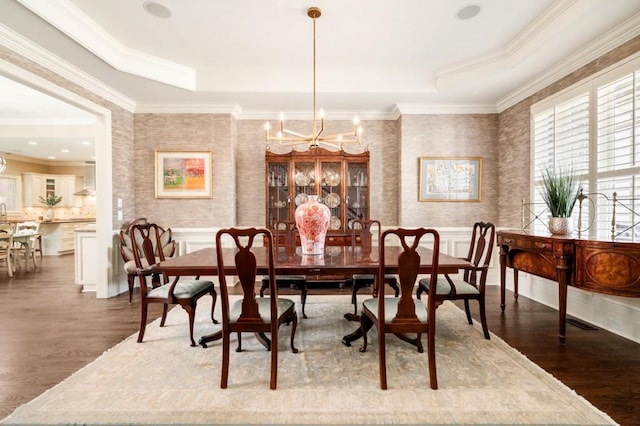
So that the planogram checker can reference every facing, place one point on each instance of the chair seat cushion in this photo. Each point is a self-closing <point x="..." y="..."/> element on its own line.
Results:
<point x="444" y="289"/>
<point x="130" y="266"/>
<point x="264" y="308"/>
<point x="371" y="277"/>
<point x="185" y="289"/>
<point x="391" y="308"/>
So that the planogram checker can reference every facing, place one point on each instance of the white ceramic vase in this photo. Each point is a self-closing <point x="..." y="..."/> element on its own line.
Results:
<point x="48" y="216"/>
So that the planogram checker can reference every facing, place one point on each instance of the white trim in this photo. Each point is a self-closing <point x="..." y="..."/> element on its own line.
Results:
<point x="22" y="46"/>
<point x="189" y="108"/>
<point x="407" y="109"/>
<point x="103" y="148"/>
<point x="69" y="19"/>
<point x="611" y="40"/>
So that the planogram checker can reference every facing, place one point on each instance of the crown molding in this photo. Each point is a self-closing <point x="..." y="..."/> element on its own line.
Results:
<point x="601" y="46"/>
<point x="69" y="19"/>
<point x="518" y="43"/>
<point x="189" y="108"/>
<point x="413" y="109"/>
<point x="22" y="46"/>
<point x="330" y="116"/>
<point x="54" y="122"/>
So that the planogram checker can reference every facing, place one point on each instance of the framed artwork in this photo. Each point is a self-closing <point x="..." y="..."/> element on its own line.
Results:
<point x="450" y="179"/>
<point x="183" y="174"/>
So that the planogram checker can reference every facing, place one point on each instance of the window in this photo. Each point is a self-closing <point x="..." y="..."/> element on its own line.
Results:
<point x="561" y="142"/>
<point x="10" y="193"/>
<point x="594" y="129"/>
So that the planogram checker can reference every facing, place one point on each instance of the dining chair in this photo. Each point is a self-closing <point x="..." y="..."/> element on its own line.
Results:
<point x="6" y="246"/>
<point x="474" y="278"/>
<point x="362" y="232"/>
<point x="126" y="251"/>
<point x="250" y="313"/>
<point x="147" y="250"/>
<point x="28" y="251"/>
<point x="404" y="314"/>
<point x="286" y="231"/>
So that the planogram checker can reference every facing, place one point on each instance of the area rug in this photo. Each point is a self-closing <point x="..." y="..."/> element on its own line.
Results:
<point x="165" y="381"/>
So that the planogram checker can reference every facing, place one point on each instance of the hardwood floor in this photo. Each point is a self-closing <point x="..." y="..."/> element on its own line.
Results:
<point x="50" y="329"/>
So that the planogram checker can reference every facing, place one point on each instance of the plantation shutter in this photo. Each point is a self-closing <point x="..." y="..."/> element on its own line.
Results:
<point x="618" y="150"/>
<point x="561" y="142"/>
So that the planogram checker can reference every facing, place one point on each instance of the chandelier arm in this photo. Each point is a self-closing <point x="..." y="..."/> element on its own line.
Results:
<point x="296" y="134"/>
<point x="293" y="143"/>
<point x="288" y="139"/>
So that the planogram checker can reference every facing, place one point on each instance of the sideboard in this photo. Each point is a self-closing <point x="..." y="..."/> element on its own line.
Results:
<point x="606" y="267"/>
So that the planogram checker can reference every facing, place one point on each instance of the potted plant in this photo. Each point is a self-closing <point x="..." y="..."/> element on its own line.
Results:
<point x="51" y="200"/>
<point x="560" y="190"/>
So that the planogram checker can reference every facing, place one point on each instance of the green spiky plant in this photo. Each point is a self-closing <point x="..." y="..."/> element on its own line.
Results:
<point x="51" y="200"/>
<point x="560" y="191"/>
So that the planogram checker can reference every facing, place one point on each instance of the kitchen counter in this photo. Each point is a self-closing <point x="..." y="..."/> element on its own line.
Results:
<point x="58" y="235"/>
<point x="70" y="220"/>
<point x="88" y="227"/>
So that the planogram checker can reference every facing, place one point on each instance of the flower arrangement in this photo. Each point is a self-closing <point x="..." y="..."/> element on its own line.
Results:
<point x="51" y="200"/>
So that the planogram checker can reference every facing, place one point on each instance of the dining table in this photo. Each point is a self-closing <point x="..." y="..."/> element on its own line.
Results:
<point x="26" y="239"/>
<point x="345" y="260"/>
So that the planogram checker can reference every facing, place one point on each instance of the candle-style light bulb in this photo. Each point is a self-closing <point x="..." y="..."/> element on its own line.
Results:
<point x="267" y="126"/>
<point x="356" y="120"/>
<point x="321" y="113"/>
<point x="281" y="116"/>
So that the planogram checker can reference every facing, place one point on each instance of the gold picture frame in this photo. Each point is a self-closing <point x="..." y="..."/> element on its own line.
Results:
<point x="183" y="174"/>
<point x="450" y="179"/>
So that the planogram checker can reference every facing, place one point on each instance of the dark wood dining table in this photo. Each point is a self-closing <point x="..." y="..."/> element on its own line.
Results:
<point x="346" y="260"/>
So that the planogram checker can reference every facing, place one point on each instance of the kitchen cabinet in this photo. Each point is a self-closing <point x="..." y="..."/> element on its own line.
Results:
<point x="341" y="181"/>
<point x="59" y="237"/>
<point x="35" y="185"/>
<point x="86" y="256"/>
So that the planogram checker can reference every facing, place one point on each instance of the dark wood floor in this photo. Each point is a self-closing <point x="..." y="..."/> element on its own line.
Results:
<point x="50" y="329"/>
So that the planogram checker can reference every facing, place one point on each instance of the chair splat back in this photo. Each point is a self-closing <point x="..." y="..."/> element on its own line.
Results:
<point x="405" y="315"/>
<point x="408" y="266"/>
<point x="364" y="230"/>
<point x="286" y="231"/>
<point x="474" y="277"/>
<point x="251" y="314"/>
<point x="147" y="249"/>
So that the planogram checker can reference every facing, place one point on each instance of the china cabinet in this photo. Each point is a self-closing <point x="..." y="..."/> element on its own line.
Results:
<point x="339" y="179"/>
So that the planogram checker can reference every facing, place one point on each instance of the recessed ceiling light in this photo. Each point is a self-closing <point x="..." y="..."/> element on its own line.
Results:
<point x="468" y="12"/>
<point x="86" y="143"/>
<point x="64" y="150"/>
<point x="156" y="9"/>
<point x="51" y="157"/>
<point x="32" y="143"/>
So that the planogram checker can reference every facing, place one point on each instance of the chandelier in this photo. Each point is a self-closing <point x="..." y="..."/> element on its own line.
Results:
<point x="291" y="138"/>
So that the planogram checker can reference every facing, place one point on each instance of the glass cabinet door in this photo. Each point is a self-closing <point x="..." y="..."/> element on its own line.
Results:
<point x="357" y="198"/>
<point x="304" y="181"/>
<point x="278" y="197"/>
<point x="331" y="187"/>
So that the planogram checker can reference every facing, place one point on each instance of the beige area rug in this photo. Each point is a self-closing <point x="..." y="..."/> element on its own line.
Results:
<point x="165" y="381"/>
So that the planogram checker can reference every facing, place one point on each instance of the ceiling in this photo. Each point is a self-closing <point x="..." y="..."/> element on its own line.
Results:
<point x="374" y="58"/>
